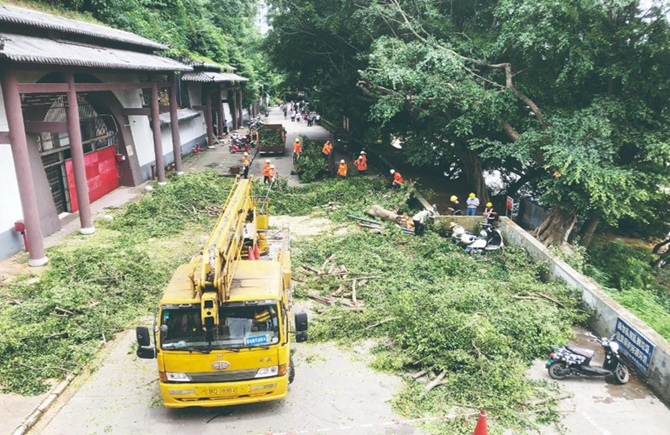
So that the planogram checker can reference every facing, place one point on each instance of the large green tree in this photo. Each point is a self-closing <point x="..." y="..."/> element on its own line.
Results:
<point x="569" y="98"/>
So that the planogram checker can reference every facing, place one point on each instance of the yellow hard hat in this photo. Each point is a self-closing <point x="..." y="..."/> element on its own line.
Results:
<point x="488" y="204"/>
<point x="472" y="195"/>
<point x="246" y="154"/>
<point x="297" y="139"/>
<point x="453" y="198"/>
<point x="272" y="166"/>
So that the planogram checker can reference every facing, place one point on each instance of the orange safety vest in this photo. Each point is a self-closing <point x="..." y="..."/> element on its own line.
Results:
<point x="263" y="316"/>
<point x="271" y="173"/>
<point x="342" y="170"/>
<point x="397" y="178"/>
<point x="297" y="147"/>
<point x="362" y="163"/>
<point x="327" y="148"/>
<point x="266" y="170"/>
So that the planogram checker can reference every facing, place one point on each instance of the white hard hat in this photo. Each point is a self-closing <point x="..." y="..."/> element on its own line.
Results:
<point x="272" y="166"/>
<point x="341" y="161"/>
<point x="246" y="154"/>
<point x="393" y="171"/>
<point x="362" y="152"/>
<point x="267" y="161"/>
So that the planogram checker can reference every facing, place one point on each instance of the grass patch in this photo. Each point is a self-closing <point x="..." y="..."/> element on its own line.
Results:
<point x="98" y="285"/>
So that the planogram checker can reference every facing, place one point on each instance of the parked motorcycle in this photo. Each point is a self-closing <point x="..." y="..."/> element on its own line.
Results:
<point x="490" y="239"/>
<point x="238" y="144"/>
<point x="461" y="237"/>
<point x="570" y="360"/>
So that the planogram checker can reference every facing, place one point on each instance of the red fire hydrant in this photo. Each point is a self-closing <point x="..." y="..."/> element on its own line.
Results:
<point x="20" y="227"/>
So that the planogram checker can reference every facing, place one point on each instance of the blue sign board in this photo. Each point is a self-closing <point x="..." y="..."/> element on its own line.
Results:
<point x="634" y="346"/>
<point x="256" y="340"/>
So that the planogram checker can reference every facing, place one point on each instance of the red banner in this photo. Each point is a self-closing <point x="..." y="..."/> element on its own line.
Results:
<point x="510" y="203"/>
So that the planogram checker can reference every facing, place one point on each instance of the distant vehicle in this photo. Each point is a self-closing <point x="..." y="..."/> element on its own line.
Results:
<point x="272" y="139"/>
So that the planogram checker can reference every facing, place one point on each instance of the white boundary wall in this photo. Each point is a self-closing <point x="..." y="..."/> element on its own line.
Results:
<point x="606" y="309"/>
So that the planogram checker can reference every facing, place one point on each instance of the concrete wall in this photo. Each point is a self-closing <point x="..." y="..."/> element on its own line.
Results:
<point x="606" y="309"/>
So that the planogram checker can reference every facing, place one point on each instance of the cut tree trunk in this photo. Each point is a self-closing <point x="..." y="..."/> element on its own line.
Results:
<point x="556" y="227"/>
<point x="380" y="212"/>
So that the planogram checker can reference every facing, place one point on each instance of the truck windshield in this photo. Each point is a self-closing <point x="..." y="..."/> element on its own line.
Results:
<point x="239" y="326"/>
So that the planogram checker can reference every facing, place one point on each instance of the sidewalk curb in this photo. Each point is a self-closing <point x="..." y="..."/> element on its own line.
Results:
<point x="37" y="413"/>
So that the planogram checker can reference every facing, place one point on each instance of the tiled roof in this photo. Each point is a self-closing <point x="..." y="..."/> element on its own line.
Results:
<point x="212" y="77"/>
<point x="31" y="18"/>
<point x="29" y="49"/>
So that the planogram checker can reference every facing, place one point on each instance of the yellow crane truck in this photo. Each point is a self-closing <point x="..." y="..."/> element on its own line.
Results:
<point x="222" y="329"/>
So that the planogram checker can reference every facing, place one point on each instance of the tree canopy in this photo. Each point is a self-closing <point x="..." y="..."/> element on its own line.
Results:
<point x="567" y="98"/>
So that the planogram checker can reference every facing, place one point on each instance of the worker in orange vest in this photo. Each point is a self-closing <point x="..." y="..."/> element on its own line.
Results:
<point x="272" y="173"/>
<point x="397" y="179"/>
<point x="342" y="170"/>
<point x="297" y="149"/>
<point x="327" y="149"/>
<point x="362" y="163"/>
<point x="266" y="172"/>
<point x="246" y="163"/>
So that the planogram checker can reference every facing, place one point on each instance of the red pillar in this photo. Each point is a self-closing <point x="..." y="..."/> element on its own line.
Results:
<point x="233" y="93"/>
<point x="78" y="164"/>
<point x="156" y="127"/>
<point x="174" y="126"/>
<point x="24" y="175"/>
<point x="208" y="118"/>
<point x="219" y="101"/>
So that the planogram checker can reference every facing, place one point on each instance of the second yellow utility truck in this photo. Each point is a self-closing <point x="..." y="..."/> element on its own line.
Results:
<point x="222" y="332"/>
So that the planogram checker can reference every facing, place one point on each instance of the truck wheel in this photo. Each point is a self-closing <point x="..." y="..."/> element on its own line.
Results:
<point x="291" y="371"/>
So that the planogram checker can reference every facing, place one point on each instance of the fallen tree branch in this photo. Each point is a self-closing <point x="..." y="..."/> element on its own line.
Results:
<point x="353" y="292"/>
<point x="389" y="319"/>
<point x="328" y="260"/>
<point x="434" y="383"/>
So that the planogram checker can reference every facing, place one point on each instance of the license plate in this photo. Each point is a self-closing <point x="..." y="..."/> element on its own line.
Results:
<point x="223" y="391"/>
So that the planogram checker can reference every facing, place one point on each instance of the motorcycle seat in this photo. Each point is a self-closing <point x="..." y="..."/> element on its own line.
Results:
<point x="579" y="351"/>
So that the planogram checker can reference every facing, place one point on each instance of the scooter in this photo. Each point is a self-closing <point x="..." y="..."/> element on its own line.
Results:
<point x="570" y="360"/>
<point x="490" y="239"/>
<point x="238" y="144"/>
<point x="461" y="237"/>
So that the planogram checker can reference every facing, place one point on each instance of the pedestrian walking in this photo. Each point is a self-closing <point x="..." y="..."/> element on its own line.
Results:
<point x="472" y="204"/>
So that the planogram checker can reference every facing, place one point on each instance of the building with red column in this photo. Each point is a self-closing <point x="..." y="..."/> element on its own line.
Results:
<point x="80" y="115"/>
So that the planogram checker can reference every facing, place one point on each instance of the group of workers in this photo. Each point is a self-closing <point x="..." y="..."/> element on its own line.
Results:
<point x="472" y="204"/>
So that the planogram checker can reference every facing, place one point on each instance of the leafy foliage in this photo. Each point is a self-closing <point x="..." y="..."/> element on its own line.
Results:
<point x="97" y="286"/>
<point x="434" y="308"/>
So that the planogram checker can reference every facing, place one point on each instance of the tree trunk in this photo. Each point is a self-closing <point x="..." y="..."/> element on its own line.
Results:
<point x="474" y="175"/>
<point x="556" y="227"/>
<point x="589" y="230"/>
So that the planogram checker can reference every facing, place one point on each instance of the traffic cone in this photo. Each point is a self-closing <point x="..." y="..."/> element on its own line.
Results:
<point x="480" y="429"/>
